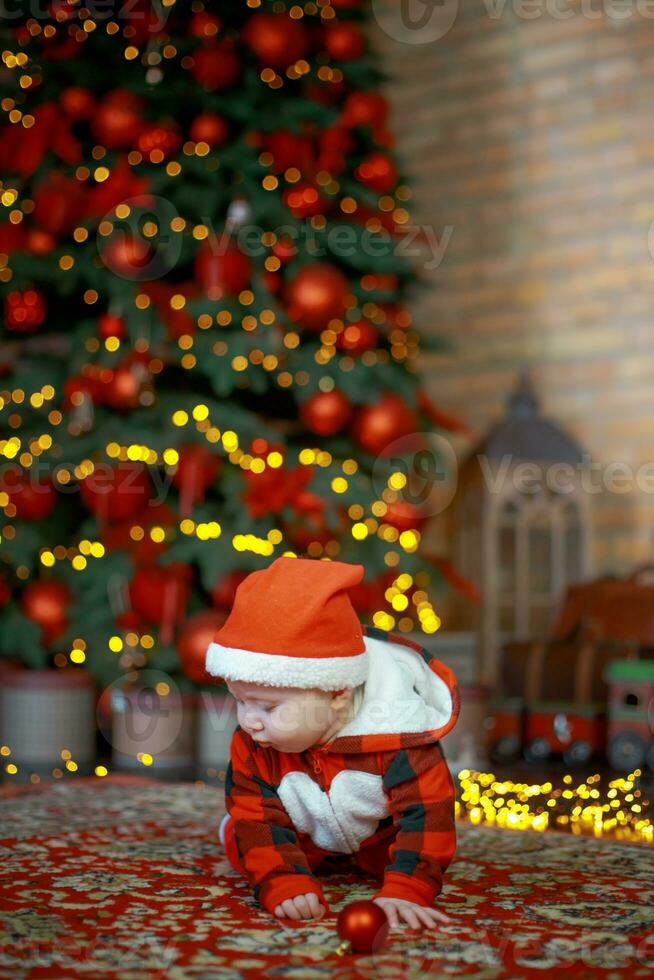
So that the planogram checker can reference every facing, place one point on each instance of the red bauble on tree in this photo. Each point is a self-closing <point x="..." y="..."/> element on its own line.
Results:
<point x="123" y="389"/>
<point x="78" y="103"/>
<point x="405" y="516"/>
<point x="284" y="249"/>
<point x="317" y="295"/>
<point x="216" y="66"/>
<point x="5" y="591"/>
<point x="117" y="120"/>
<point x="59" y="203"/>
<point x="111" y="325"/>
<point x="39" y="242"/>
<point x="290" y="150"/>
<point x="221" y="268"/>
<point x="34" y="498"/>
<point x="127" y="255"/>
<point x="304" y="201"/>
<point x="363" y="926"/>
<point x="357" y="337"/>
<point x="195" y="636"/>
<point x="195" y="472"/>
<point x="365" y="109"/>
<point x="344" y="41"/>
<point x="326" y="412"/>
<point x="378" y="172"/>
<point x="204" y="25"/>
<point x="277" y="40"/>
<point x="335" y="143"/>
<point x="224" y="591"/>
<point x="158" y="142"/>
<point x="46" y="603"/>
<point x="376" y="426"/>
<point x="90" y="384"/>
<point x="24" y="311"/>
<point x="209" y="128"/>
<point x="160" y="596"/>
<point x="116" y="493"/>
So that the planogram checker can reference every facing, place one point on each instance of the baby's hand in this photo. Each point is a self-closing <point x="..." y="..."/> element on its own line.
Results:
<point x="418" y="916"/>
<point x="301" y="907"/>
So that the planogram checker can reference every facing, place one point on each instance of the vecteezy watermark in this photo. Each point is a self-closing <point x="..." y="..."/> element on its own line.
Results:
<point x="136" y="240"/>
<point x="421" y="468"/>
<point x="426" y="21"/>
<point x="106" y="480"/>
<point x="155" y="14"/>
<point x="147" y="715"/>
<point x="141" y="244"/>
<point x="343" y="241"/>
<point x="530" y="477"/>
<point x="415" y="21"/>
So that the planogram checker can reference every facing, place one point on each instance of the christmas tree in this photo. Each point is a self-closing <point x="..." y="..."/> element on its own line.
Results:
<point x="206" y="350"/>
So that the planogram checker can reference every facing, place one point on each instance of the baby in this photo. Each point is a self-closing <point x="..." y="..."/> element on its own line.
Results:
<point x="337" y="748"/>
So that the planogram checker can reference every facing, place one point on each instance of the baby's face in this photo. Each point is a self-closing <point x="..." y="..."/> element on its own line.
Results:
<point x="289" y="719"/>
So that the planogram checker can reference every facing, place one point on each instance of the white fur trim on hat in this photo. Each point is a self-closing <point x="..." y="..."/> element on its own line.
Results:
<point x="276" y="670"/>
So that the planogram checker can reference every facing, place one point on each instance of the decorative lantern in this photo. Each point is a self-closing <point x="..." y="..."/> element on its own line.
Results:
<point x="521" y="532"/>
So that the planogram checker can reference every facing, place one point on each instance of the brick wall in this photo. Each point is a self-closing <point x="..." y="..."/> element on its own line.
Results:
<point x="532" y="141"/>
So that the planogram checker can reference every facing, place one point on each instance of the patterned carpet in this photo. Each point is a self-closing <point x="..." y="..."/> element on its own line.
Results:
<point x="124" y="878"/>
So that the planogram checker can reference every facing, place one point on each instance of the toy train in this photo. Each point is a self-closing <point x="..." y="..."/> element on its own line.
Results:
<point x="588" y="689"/>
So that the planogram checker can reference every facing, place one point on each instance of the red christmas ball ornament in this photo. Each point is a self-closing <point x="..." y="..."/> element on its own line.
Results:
<point x="344" y="41"/>
<point x="317" y="295"/>
<point x="304" y="201"/>
<point x="117" y="120"/>
<point x="216" y="67"/>
<point x="209" y="128"/>
<point x="357" y="337"/>
<point x="127" y="255"/>
<point x="378" y="172"/>
<point x="221" y="268"/>
<point x="195" y="472"/>
<point x="116" y="493"/>
<point x="58" y="203"/>
<point x="125" y="385"/>
<point x="335" y="144"/>
<point x="273" y="282"/>
<point x="24" y="310"/>
<point x="326" y="412"/>
<point x="284" y="249"/>
<point x="158" y="142"/>
<point x="90" y="383"/>
<point x="46" y="603"/>
<point x="404" y="516"/>
<point x="160" y="595"/>
<point x="365" y="109"/>
<point x="194" y="638"/>
<point x="77" y="102"/>
<point x="224" y="591"/>
<point x="204" y="25"/>
<point x="34" y="498"/>
<point x="376" y="426"/>
<point x="5" y="591"/>
<point x="13" y="238"/>
<point x="111" y="325"/>
<point x="289" y="150"/>
<point x="363" y="926"/>
<point x="277" y="40"/>
<point x="39" y="242"/>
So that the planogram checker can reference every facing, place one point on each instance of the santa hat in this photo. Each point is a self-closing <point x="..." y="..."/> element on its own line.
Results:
<point x="293" y="625"/>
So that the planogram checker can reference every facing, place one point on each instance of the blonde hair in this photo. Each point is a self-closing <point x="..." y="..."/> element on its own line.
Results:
<point x="356" y="699"/>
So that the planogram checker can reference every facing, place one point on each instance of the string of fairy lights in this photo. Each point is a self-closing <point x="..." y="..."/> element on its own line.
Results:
<point x="597" y="806"/>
